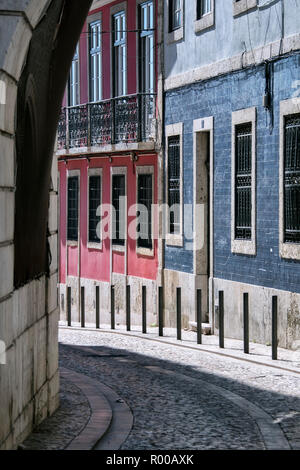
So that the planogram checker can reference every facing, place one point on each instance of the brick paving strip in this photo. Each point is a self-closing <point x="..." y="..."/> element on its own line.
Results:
<point x="111" y="419"/>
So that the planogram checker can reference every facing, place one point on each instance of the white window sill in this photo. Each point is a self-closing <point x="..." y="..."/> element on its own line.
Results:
<point x="175" y="35"/>
<point x="149" y="252"/>
<point x="243" y="6"/>
<point x="118" y="248"/>
<point x="243" y="247"/>
<point x="94" y="245"/>
<point x="174" y="240"/>
<point x="207" y="21"/>
<point x="289" y="250"/>
<point x="72" y="243"/>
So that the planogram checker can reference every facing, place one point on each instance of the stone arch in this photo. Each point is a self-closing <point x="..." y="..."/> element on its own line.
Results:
<point x="37" y="41"/>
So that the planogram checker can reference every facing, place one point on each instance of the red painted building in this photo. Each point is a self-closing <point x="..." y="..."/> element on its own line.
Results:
<point x="108" y="161"/>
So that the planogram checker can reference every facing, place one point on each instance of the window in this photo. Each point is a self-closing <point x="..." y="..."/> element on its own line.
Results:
<point x="118" y="203"/>
<point x="73" y="188"/>
<point x="203" y="8"/>
<point x="292" y="179"/>
<point x="174" y="183"/>
<point x="94" y="205"/>
<point x="145" y="201"/>
<point x="175" y="15"/>
<point x="95" y="61"/>
<point x="147" y="47"/>
<point x="119" y="54"/>
<point x="73" y="84"/>
<point x="243" y="185"/>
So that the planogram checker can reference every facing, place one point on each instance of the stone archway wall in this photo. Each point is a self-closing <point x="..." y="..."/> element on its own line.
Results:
<point x="29" y="379"/>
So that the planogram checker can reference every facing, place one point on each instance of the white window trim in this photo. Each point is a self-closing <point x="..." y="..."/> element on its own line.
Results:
<point x="286" y="250"/>
<point x="71" y="173"/>
<point x="114" y="10"/>
<point x="116" y="170"/>
<point x="177" y="34"/>
<point x="146" y="170"/>
<point x="90" y="20"/>
<point x="206" y="21"/>
<point x="242" y="6"/>
<point x="173" y="130"/>
<point x="94" y="172"/>
<point x="246" y="247"/>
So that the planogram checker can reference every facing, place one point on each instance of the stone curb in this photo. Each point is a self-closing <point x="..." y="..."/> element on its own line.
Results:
<point x="211" y="349"/>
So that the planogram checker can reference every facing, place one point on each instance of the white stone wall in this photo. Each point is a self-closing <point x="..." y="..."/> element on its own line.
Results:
<point x="28" y="316"/>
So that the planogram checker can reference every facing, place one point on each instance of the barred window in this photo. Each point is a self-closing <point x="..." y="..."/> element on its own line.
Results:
<point x="175" y="15"/>
<point x="243" y="181"/>
<point x="95" y="62"/>
<point x="145" y="213"/>
<point x="203" y="8"/>
<point x="73" y="186"/>
<point x="94" y="203"/>
<point x="174" y="183"/>
<point x="292" y="179"/>
<point x="118" y="200"/>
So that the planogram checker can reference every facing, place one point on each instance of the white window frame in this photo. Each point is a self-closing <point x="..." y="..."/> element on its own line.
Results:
<point x="94" y="172"/>
<point x="206" y="21"/>
<point x="286" y="250"/>
<point x="170" y="131"/>
<point x="69" y="174"/>
<point x="148" y="36"/>
<point x="243" y="6"/>
<point x="120" y="44"/>
<point x="92" y="22"/>
<point x="75" y="65"/>
<point x="246" y="247"/>
<point x="176" y="34"/>
<point x="146" y="170"/>
<point x="119" y="170"/>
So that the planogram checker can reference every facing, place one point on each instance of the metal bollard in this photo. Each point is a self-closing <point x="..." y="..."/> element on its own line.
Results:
<point x="199" y="316"/>
<point x="246" y="322"/>
<point x="69" y="302"/>
<point x="144" y="309"/>
<point x="82" y="308"/>
<point x="112" y="307"/>
<point x="128" y="325"/>
<point x="178" y="311"/>
<point x="160" y="312"/>
<point x="274" y="327"/>
<point x="97" y="307"/>
<point x="221" y="319"/>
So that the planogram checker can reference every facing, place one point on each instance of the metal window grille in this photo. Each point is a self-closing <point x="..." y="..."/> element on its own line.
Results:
<point x="174" y="183"/>
<point x="145" y="211"/>
<point x="118" y="199"/>
<point x="95" y="62"/>
<point x="243" y="181"/>
<point x="203" y="8"/>
<point x="73" y="187"/>
<point x="94" y="203"/>
<point x="292" y="179"/>
<point x="175" y="15"/>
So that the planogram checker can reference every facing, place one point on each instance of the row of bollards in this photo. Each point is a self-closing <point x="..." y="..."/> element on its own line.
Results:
<point x="178" y="315"/>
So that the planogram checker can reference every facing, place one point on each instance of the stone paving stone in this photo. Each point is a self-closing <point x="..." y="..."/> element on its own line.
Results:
<point x="176" y="414"/>
<point x="56" y="432"/>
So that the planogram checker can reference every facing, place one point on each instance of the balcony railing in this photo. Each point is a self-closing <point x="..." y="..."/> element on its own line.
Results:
<point x="126" y="119"/>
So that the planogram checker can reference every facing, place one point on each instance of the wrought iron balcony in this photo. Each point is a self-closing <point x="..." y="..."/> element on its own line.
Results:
<point x="126" y="119"/>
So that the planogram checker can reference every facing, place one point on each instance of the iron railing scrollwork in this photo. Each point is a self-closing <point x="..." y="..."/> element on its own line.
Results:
<point x="125" y="119"/>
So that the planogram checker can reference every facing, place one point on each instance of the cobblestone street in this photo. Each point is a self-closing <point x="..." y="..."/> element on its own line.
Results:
<point x="182" y="398"/>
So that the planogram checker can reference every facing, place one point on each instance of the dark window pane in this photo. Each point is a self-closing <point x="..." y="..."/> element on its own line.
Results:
<point x="243" y="181"/>
<point x="94" y="203"/>
<point x="72" y="231"/>
<point x="174" y="183"/>
<point x="118" y="191"/>
<point x="145" y="214"/>
<point x="292" y="179"/>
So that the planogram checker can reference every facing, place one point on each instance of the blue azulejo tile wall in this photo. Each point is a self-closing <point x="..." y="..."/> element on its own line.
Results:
<point x="219" y="97"/>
